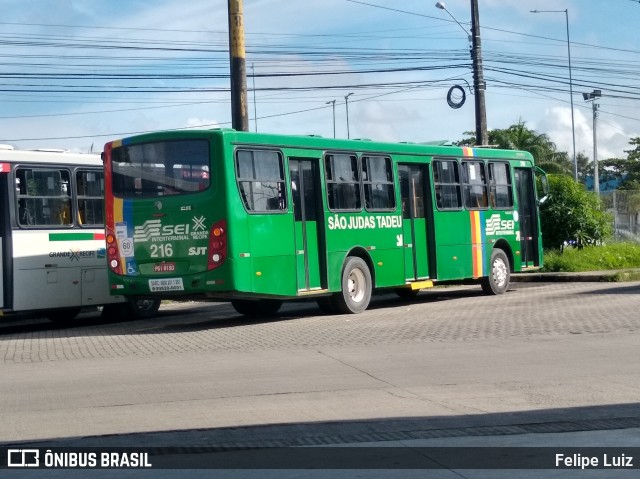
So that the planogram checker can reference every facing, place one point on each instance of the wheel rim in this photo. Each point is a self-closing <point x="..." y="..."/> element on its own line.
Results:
<point x="357" y="285"/>
<point x="499" y="272"/>
<point x="144" y="304"/>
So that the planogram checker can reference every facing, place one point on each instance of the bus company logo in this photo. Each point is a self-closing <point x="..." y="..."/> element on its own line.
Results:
<point x="150" y="229"/>
<point x="198" y="223"/>
<point x="154" y="231"/>
<point x="23" y="458"/>
<point x="497" y="226"/>
<point x="73" y="254"/>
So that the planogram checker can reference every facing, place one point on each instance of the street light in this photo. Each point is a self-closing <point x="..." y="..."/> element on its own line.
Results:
<point x="333" y="103"/>
<point x="573" y="125"/>
<point x="442" y="6"/>
<point x="346" y="104"/>
<point x="591" y="97"/>
<point x="478" y="79"/>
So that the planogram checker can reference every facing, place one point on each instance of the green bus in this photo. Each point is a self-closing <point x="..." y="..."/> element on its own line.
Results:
<point x="256" y="219"/>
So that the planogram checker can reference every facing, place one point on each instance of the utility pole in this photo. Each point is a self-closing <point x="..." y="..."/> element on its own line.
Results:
<point x="255" y="104"/>
<point x="592" y="97"/>
<point x="238" y="68"/>
<point x="333" y="104"/>
<point x="478" y="78"/>
<point x="346" y="104"/>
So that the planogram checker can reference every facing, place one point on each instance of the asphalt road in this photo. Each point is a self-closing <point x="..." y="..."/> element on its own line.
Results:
<point x="543" y="358"/>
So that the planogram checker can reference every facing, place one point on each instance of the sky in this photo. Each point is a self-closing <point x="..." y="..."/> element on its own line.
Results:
<point x="75" y="74"/>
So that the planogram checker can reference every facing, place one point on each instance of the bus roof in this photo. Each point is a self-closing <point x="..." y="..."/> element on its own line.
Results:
<point x="328" y="144"/>
<point x="54" y="157"/>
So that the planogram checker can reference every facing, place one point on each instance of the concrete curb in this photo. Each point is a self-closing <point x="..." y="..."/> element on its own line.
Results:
<point x="585" y="277"/>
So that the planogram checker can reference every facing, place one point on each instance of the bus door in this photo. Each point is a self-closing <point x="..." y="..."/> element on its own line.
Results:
<point x="413" y="188"/>
<point x="525" y="188"/>
<point x="305" y="189"/>
<point x="5" y="233"/>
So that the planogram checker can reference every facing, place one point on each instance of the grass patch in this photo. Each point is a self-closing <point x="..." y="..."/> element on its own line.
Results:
<point x="593" y="258"/>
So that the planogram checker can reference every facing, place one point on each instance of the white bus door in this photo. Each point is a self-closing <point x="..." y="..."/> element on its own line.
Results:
<point x="5" y="232"/>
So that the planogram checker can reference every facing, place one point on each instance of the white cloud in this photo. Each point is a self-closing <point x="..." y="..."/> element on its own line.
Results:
<point x="199" y="123"/>
<point x="611" y="139"/>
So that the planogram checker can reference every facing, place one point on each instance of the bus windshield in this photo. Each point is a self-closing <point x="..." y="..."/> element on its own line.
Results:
<point x="158" y="169"/>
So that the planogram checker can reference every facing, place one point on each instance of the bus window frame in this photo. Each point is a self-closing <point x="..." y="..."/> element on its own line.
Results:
<point x="77" y="197"/>
<point x="459" y="183"/>
<point x="328" y="182"/>
<point x="141" y="193"/>
<point x="284" y="206"/>
<point x="465" y="182"/>
<point x="392" y="182"/>
<point x="70" y="195"/>
<point x="494" y="185"/>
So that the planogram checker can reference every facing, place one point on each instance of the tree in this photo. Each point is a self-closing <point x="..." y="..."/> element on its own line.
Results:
<point x="572" y="214"/>
<point x="627" y="171"/>
<point x="585" y="167"/>
<point x="519" y="137"/>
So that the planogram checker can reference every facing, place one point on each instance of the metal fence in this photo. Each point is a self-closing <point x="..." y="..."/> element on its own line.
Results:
<point x="624" y="206"/>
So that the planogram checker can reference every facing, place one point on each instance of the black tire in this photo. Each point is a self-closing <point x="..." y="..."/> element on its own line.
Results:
<point x="326" y="305"/>
<point x="257" y="307"/>
<point x="356" y="287"/>
<point x="407" y="293"/>
<point x="499" y="275"/>
<point x="139" y="308"/>
<point x="63" y="316"/>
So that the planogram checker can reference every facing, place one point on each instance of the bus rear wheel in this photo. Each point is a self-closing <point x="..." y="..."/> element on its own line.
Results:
<point x="498" y="280"/>
<point x="142" y="308"/>
<point x="356" y="287"/>
<point x="257" y="307"/>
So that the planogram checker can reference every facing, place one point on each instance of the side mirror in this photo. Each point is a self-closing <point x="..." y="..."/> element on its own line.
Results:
<point x="544" y="186"/>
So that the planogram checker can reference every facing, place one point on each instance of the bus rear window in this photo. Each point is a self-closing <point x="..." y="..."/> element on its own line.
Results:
<point x="159" y="169"/>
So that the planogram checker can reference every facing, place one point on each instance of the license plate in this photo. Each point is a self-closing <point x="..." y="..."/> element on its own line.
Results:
<point x="164" y="267"/>
<point x="166" y="284"/>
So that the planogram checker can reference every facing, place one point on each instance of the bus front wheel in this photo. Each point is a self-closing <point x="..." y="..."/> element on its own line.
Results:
<point x="356" y="287"/>
<point x="498" y="280"/>
<point x="256" y="307"/>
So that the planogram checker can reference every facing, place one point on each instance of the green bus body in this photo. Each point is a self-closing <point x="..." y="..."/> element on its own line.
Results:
<point x="238" y="215"/>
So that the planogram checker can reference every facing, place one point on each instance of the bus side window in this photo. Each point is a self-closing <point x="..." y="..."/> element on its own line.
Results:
<point x="377" y="177"/>
<point x="260" y="176"/>
<point x="44" y="197"/>
<point x="500" y="185"/>
<point x="446" y="179"/>
<point x="475" y="185"/>
<point x="90" y="193"/>
<point x="343" y="182"/>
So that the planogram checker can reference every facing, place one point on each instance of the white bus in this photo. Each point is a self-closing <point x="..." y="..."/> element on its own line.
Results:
<point x="52" y="241"/>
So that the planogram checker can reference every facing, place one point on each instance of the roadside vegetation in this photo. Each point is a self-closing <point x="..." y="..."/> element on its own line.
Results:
<point x="593" y="258"/>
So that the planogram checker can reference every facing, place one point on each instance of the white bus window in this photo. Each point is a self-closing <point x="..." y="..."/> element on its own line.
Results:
<point x="90" y="192"/>
<point x="44" y="197"/>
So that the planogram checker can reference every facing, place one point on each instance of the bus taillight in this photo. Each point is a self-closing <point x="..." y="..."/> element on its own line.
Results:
<point x="113" y="255"/>
<point x="217" y="245"/>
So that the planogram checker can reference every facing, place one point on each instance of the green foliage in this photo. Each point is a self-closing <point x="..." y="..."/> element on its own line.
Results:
<point x="628" y="169"/>
<point x="572" y="214"/>
<point x="593" y="258"/>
